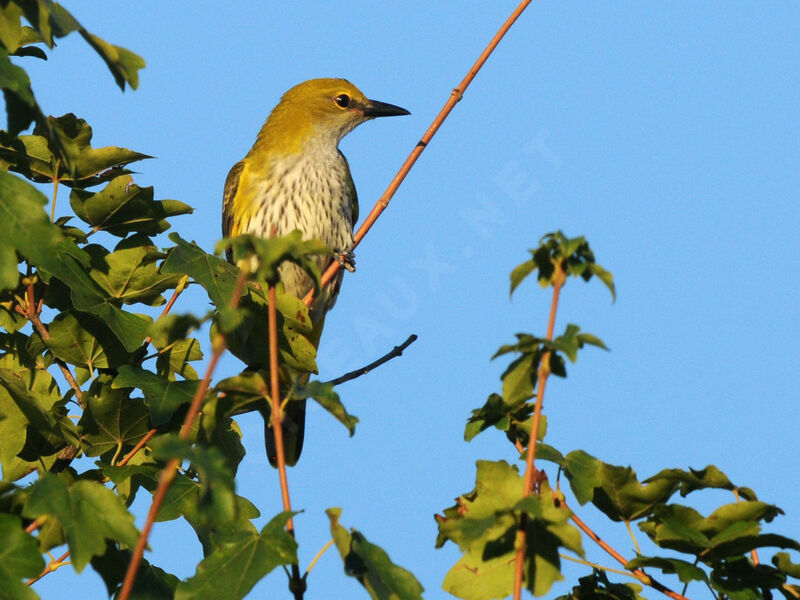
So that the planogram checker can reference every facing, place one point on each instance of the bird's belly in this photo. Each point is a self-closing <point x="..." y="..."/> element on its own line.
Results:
<point x="318" y="206"/>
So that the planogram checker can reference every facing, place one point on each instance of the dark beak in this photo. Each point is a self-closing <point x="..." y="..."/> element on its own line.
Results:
<point x="374" y="108"/>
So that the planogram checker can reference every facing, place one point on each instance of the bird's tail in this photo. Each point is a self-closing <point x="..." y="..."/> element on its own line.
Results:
<point x="294" y="426"/>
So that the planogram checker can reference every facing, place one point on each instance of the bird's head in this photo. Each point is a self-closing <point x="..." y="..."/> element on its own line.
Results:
<point x="324" y="109"/>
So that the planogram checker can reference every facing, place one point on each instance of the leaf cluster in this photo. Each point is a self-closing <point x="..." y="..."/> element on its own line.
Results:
<point x="712" y="550"/>
<point x="94" y="382"/>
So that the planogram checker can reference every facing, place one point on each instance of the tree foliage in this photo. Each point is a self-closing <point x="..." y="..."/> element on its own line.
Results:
<point x="96" y="382"/>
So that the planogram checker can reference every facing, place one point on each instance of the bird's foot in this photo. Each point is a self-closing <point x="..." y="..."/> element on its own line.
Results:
<point x="347" y="260"/>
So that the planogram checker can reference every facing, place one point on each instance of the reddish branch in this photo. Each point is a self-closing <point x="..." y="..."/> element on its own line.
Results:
<point x="170" y="471"/>
<point x="455" y="96"/>
<point x="530" y="468"/>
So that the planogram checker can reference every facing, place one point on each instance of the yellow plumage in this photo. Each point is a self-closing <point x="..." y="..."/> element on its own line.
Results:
<point x="295" y="177"/>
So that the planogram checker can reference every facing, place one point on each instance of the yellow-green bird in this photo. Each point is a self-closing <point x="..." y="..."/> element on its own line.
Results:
<point x="295" y="177"/>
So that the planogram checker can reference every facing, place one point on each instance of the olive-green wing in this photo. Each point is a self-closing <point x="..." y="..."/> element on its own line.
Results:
<point x="231" y="185"/>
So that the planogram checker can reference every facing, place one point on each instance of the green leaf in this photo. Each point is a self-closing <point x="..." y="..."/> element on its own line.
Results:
<point x="784" y="564"/>
<point x="520" y="272"/>
<point x="68" y="156"/>
<point x="19" y="558"/>
<point x="614" y="490"/>
<point x="484" y="524"/>
<point x="161" y="395"/>
<point x="130" y="274"/>
<point x="370" y="564"/>
<point x="328" y="399"/>
<point x="25" y="226"/>
<point x="686" y="571"/>
<point x="151" y="583"/>
<point x="519" y="379"/>
<point x="240" y="562"/>
<point x="122" y="207"/>
<point x="271" y="252"/>
<point x="571" y="341"/>
<point x="123" y="64"/>
<point x="80" y="339"/>
<point x="9" y="275"/>
<point x="216" y="498"/>
<point x="89" y="513"/>
<point x="597" y="587"/>
<point x="738" y="579"/>
<point x="218" y="277"/>
<point x="112" y="420"/>
<point x="709" y="478"/>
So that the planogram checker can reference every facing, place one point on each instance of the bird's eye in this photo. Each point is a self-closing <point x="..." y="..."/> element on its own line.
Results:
<point x="342" y="100"/>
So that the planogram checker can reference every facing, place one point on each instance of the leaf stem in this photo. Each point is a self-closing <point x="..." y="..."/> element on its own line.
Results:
<point x="55" y="191"/>
<point x="318" y="556"/>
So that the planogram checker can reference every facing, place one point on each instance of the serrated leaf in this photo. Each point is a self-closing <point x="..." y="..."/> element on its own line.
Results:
<point x="686" y="571"/>
<point x="709" y="477"/>
<point x="89" y="513"/>
<point x="597" y="587"/>
<point x="25" y="226"/>
<point x="484" y="523"/>
<point x="161" y="395"/>
<point x="371" y="566"/>
<point x="130" y="273"/>
<point x="218" y="277"/>
<point x="122" y="207"/>
<point x="72" y="160"/>
<point x="123" y="64"/>
<point x="81" y="340"/>
<point x="112" y="420"/>
<point x="216" y="498"/>
<point x="240" y="561"/>
<point x="614" y="490"/>
<point x="328" y="399"/>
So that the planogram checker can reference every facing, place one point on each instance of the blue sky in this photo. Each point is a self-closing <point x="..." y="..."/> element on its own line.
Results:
<point x="666" y="133"/>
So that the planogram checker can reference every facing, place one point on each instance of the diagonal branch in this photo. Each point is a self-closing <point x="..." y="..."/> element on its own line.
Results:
<point x="170" y="471"/>
<point x="454" y="98"/>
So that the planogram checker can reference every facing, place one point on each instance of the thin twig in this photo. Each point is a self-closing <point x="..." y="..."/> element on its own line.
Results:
<point x="455" y="96"/>
<point x="393" y="353"/>
<point x="170" y="471"/>
<point x="597" y="566"/>
<point x="530" y="467"/>
<point x="55" y="191"/>
<point x="139" y="445"/>
<point x="638" y="573"/>
<point x="30" y="312"/>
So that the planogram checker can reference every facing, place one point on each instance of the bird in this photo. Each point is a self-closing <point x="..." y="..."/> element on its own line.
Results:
<point x="296" y="178"/>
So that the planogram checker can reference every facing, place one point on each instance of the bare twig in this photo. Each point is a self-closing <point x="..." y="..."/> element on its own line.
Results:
<point x="170" y="471"/>
<point x="393" y="353"/>
<point x="455" y="96"/>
